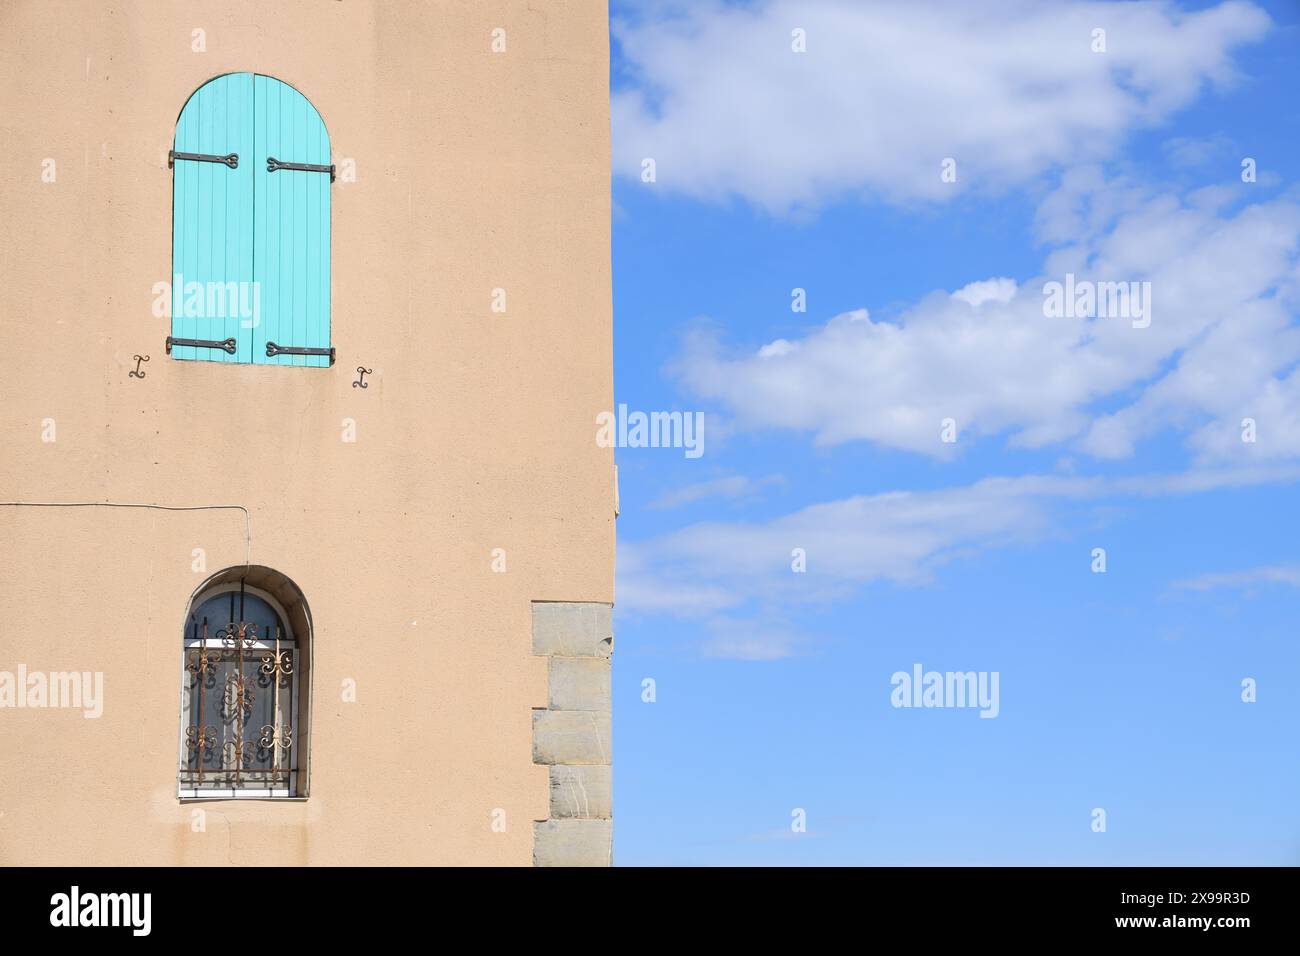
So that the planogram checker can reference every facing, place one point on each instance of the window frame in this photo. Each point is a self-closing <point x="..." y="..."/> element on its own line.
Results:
<point x="195" y="794"/>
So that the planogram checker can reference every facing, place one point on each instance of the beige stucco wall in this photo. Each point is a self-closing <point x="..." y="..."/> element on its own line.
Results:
<point x="475" y="170"/>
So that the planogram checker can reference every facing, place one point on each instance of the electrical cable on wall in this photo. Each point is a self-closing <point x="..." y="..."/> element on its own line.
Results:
<point x="248" y="527"/>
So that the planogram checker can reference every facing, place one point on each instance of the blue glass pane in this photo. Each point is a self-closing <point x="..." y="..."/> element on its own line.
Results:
<point x="221" y="610"/>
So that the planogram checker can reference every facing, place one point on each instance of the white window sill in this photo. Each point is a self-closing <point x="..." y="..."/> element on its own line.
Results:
<point x="206" y="796"/>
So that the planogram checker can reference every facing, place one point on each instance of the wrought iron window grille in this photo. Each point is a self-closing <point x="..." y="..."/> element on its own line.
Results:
<point x="241" y="702"/>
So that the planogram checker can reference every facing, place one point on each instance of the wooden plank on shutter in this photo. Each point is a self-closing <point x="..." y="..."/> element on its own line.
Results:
<point x="212" y="221"/>
<point x="291" y="225"/>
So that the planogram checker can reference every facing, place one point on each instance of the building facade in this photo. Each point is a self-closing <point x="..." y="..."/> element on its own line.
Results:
<point x="308" y="542"/>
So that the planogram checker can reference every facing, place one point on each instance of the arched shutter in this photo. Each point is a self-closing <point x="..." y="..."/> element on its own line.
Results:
<point x="212" y="220"/>
<point x="251" y="226"/>
<point x="291" y="226"/>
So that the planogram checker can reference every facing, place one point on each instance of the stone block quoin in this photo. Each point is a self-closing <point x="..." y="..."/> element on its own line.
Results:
<point x="571" y="736"/>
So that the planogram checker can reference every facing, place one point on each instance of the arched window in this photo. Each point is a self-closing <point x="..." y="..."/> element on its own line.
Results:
<point x="251" y="226"/>
<point x="245" y="688"/>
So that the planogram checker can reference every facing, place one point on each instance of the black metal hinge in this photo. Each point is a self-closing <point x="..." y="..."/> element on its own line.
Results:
<point x="227" y="345"/>
<point x="272" y="164"/>
<point x="272" y="350"/>
<point x="232" y="160"/>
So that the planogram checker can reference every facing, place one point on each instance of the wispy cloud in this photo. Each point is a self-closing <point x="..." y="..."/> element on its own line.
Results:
<point x="1288" y="574"/>
<point x="729" y="486"/>
<point x="714" y="569"/>
<point x="896" y="536"/>
<point x="753" y="639"/>
<point x="1194" y="152"/>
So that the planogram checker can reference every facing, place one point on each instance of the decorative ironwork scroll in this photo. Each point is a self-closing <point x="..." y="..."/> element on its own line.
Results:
<point x="241" y="696"/>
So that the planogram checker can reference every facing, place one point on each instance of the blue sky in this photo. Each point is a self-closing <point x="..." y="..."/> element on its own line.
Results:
<point x="821" y="170"/>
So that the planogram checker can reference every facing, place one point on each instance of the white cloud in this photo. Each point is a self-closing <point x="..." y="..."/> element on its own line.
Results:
<point x="1222" y="343"/>
<point x="778" y="347"/>
<point x="887" y="90"/>
<point x="976" y="294"/>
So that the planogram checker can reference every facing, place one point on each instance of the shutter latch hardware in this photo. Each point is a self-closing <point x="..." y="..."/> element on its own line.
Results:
<point x="272" y="350"/>
<point x="226" y="345"/>
<point x="272" y="164"/>
<point x="232" y="160"/>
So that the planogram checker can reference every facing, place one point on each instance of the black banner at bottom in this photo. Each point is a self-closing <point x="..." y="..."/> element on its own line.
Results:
<point x="1152" y="904"/>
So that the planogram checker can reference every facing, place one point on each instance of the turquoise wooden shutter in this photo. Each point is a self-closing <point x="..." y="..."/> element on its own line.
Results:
<point x="212" y="220"/>
<point x="291" y="225"/>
